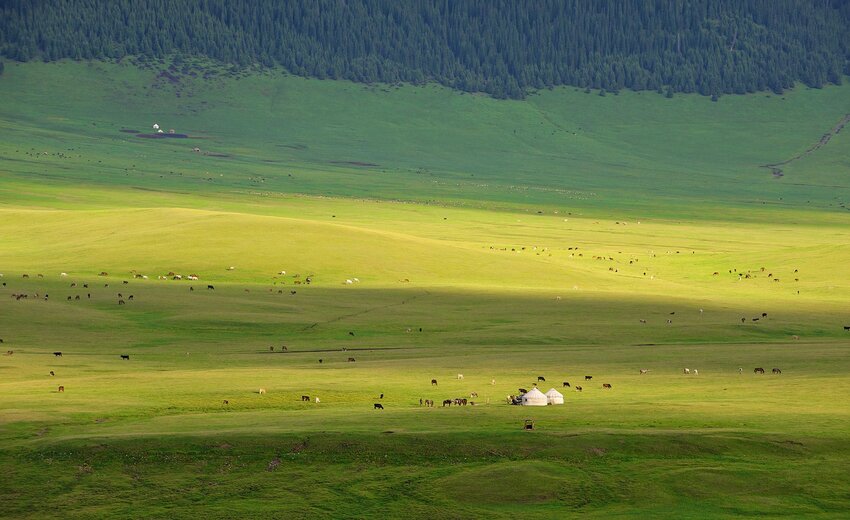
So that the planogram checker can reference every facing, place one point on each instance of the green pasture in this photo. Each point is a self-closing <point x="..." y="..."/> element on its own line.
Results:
<point x="501" y="240"/>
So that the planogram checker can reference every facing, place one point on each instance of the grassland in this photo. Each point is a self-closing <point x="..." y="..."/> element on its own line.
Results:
<point x="523" y="238"/>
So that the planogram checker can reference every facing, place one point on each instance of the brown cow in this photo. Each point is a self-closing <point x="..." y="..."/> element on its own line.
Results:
<point x="433" y="382"/>
<point x="447" y="402"/>
<point x="578" y="388"/>
<point x="61" y="388"/>
<point x="606" y="385"/>
<point x="758" y="370"/>
<point x="351" y="360"/>
<point x="776" y="371"/>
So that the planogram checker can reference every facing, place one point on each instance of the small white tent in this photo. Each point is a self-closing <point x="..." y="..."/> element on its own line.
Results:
<point x="534" y="398"/>
<point x="554" y="396"/>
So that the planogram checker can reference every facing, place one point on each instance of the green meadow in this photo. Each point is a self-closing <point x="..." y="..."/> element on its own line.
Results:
<point x="563" y="236"/>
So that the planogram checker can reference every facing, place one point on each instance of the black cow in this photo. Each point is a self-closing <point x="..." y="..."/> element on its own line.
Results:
<point x="541" y="378"/>
<point x="566" y="384"/>
<point x="433" y="382"/>
<point x="210" y="287"/>
<point x="57" y="354"/>
<point x="588" y="378"/>
<point x="125" y="356"/>
<point x="379" y="406"/>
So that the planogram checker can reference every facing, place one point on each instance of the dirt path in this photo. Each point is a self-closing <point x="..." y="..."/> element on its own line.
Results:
<point x="364" y="311"/>
<point x="775" y="167"/>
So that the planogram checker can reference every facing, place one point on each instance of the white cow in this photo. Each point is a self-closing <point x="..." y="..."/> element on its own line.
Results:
<point x="348" y="282"/>
<point x="460" y="376"/>
<point x="687" y="370"/>
<point x="696" y="372"/>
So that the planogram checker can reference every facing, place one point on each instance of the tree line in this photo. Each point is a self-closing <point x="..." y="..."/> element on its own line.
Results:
<point x="501" y="47"/>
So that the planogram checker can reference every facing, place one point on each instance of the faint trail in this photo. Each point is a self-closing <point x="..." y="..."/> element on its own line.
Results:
<point x="775" y="167"/>
<point x="360" y="313"/>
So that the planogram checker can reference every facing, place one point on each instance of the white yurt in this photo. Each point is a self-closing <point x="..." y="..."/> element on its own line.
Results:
<point x="554" y="396"/>
<point x="535" y="398"/>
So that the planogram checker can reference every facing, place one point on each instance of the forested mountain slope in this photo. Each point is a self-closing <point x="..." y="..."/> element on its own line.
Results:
<point x="501" y="47"/>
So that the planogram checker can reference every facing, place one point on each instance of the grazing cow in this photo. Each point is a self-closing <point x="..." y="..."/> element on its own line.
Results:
<point x="69" y="298"/>
<point x="271" y="349"/>
<point x="305" y="398"/>
<point x="9" y="352"/>
<point x="25" y="276"/>
<point x="588" y="378"/>
<point x="578" y="388"/>
<point x="57" y="354"/>
<point x="51" y="373"/>
<point x="492" y="381"/>
<point x="120" y="302"/>
<point x="103" y="273"/>
<point x="758" y="370"/>
<point x="776" y="371"/>
<point x="350" y="332"/>
<point x="321" y="361"/>
<point x="696" y="372"/>
<point x="225" y="401"/>
<point x="283" y="348"/>
<point x="125" y="356"/>
<point x="210" y="287"/>
<point x="644" y="371"/>
<point x="130" y="297"/>
<point x="473" y="394"/>
<point x="429" y="403"/>
<point x="764" y="315"/>
<point x="606" y="385"/>
<point x="126" y="282"/>
<point x="262" y="391"/>
<point x="643" y="321"/>
<point x="523" y="391"/>
<point x="77" y="297"/>
<point x="740" y="370"/>
<point x="847" y="327"/>
<point x="743" y="320"/>
<point x="379" y="406"/>
<point x="447" y="402"/>
<point x="61" y="388"/>
<point x="191" y="289"/>
<point x="317" y="400"/>
<point x="566" y="384"/>
<point x="433" y="382"/>
<point x="541" y="378"/>
<point x="460" y="377"/>
<point x="686" y="371"/>
<point x="351" y="360"/>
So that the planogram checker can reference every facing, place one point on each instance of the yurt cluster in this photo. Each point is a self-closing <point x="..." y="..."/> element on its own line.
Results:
<point x="537" y="398"/>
